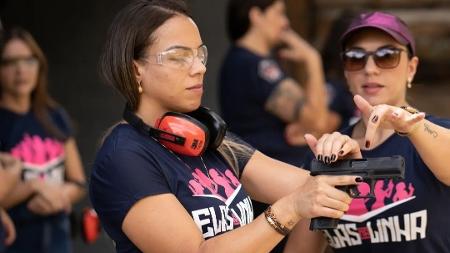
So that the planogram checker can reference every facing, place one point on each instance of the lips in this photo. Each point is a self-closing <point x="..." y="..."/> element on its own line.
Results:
<point x="372" y="88"/>
<point x="196" y="87"/>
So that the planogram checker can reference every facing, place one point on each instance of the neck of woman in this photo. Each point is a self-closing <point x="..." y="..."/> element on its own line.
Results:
<point x="149" y="112"/>
<point x="18" y="104"/>
<point x="254" y="43"/>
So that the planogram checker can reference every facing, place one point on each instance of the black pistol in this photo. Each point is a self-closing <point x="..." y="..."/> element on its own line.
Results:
<point x="369" y="169"/>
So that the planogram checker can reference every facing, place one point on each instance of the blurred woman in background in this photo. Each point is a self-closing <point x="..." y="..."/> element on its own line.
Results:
<point x="37" y="131"/>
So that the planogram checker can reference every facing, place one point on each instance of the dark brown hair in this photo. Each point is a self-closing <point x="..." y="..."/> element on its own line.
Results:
<point x="128" y="37"/>
<point x="238" y="21"/>
<point x="41" y="101"/>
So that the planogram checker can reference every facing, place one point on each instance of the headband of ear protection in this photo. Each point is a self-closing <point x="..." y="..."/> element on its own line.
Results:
<point x="187" y="134"/>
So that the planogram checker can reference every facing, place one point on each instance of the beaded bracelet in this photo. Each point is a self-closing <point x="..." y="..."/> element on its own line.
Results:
<point x="411" y="110"/>
<point x="273" y="222"/>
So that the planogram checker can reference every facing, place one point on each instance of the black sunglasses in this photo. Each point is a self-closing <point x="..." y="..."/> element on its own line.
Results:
<point x="355" y="59"/>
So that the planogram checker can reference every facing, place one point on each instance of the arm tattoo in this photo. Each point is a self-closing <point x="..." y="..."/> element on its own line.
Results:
<point x="286" y="101"/>
<point x="430" y="131"/>
<point x="298" y="108"/>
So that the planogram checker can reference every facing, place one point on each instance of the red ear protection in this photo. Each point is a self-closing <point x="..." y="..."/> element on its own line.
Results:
<point x="215" y="124"/>
<point x="194" y="133"/>
<point x="187" y="134"/>
<point x="90" y="225"/>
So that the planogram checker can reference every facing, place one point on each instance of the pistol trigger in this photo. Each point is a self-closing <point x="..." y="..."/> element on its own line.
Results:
<point x="354" y="192"/>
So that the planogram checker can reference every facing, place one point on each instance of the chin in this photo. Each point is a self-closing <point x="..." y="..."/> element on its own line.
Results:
<point x="375" y="100"/>
<point x="24" y="89"/>
<point x="189" y="107"/>
<point x="23" y="92"/>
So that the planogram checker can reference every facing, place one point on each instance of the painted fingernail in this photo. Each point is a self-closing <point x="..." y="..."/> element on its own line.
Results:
<point x="319" y="157"/>
<point x="333" y="157"/>
<point x="341" y="152"/>
<point x="358" y="179"/>
<point x="327" y="159"/>
<point x="375" y="119"/>
<point x="367" y="144"/>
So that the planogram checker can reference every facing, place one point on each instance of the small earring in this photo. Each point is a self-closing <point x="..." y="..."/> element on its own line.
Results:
<point x="140" y="87"/>
<point x="409" y="85"/>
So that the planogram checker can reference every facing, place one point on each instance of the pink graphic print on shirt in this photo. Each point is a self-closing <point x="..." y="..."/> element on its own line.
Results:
<point x="42" y="158"/>
<point x="386" y="192"/>
<point x="218" y="184"/>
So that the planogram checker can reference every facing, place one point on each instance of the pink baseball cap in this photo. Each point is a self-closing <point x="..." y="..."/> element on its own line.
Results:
<point x="386" y="22"/>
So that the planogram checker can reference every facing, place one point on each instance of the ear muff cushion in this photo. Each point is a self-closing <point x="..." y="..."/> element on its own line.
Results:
<point x="216" y="125"/>
<point x="196" y="134"/>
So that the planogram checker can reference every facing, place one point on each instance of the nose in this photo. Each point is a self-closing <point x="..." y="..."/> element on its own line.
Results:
<point x="286" y="22"/>
<point x="371" y="67"/>
<point x="20" y="67"/>
<point x="198" y="67"/>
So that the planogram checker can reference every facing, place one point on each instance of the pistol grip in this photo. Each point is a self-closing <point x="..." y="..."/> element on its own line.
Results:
<point x="321" y="223"/>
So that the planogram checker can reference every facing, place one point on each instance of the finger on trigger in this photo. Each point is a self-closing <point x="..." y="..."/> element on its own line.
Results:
<point x="338" y="194"/>
<point x="340" y="203"/>
<point x="341" y="180"/>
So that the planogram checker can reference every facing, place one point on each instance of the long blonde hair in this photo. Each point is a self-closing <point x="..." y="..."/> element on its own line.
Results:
<point x="233" y="152"/>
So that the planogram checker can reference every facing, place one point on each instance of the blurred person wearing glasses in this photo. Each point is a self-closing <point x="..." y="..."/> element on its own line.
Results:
<point x="37" y="131"/>
<point x="9" y="176"/>
<point x="411" y="215"/>
<point x="171" y="178"/>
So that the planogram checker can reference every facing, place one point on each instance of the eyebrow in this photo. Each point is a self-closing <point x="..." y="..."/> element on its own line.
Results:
<point x="181" y="47"/>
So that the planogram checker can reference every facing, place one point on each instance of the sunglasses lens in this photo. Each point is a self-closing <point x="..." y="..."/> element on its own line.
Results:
<point x="354" y="60"/>
<point x="387" y="58"/>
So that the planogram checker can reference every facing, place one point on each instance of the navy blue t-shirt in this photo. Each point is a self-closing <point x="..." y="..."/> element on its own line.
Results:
<point x="2" y="237"/>
<point x="410" y="215"/>
<point x="130" y="166"/>
<point x="42" y="156"/>
<point x="340" y="100"/>
<point x="246" y="82"/>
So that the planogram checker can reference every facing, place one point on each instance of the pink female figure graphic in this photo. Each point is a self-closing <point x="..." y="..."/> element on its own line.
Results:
<point x="232" y="178"/>
<point x="401" y="192"/>
<point x="196" y="187"/>
<point x="358" y="205"/>
<point x="381" y="194"/>
<point x="222" y="180"/>
<point x="205" y="181"/>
